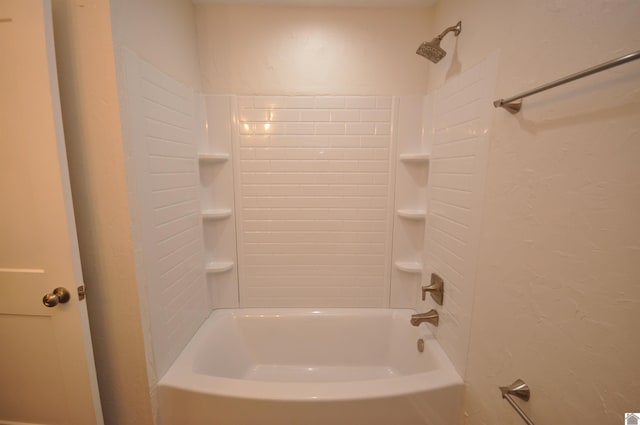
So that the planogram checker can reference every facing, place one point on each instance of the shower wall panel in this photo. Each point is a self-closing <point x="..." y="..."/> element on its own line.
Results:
<point x="462" y="119"/>
<point x="413" y="134"/>
<point x="313" y="195"/>
<point x="160" y="134"/>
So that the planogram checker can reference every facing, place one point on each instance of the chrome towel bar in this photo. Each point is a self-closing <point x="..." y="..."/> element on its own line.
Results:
<point x="521" y="390"/>
<point x="514" y="103"/>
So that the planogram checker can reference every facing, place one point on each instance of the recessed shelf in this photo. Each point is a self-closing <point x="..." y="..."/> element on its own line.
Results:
<point x="216" y="214"/>
<point x="415" y="157"/>
<point x="409" y="266"/>
<point x="412" y="214"/>
<point x="213" y="157"/>
<point x="219" y="266"/>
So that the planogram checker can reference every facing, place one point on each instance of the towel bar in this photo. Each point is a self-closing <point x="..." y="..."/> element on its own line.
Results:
<point x="514" y="103"/>
<point x="521" y="390"/>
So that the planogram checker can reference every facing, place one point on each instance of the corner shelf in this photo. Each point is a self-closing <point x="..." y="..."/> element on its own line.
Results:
<point x="421" y="157"/>
<point x="213" y="157"/>
<point x="412" y="214"/>
<point x="409" y="266"/>
<point x="216" y="214"/>
<point x="218" y="266"/>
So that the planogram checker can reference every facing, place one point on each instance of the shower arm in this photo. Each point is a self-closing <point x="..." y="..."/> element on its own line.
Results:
<point x="455" y="28"/>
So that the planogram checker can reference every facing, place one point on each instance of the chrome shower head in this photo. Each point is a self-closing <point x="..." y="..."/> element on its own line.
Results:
<point x="432" y="50"/>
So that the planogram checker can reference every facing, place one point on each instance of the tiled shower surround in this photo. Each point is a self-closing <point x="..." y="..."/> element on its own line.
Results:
<point x="314" y="201"/>
<point x="306" y="201"/>
<point x="165" y="197"/>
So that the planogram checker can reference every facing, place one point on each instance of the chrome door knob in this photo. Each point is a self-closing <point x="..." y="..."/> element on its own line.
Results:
<point x="59" y="295"/>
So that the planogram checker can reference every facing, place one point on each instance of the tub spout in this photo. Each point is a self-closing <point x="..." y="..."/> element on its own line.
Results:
<point x="430" y="316"/>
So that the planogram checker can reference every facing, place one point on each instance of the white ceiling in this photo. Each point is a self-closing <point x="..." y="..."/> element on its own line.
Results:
<point x="324" y="3"/>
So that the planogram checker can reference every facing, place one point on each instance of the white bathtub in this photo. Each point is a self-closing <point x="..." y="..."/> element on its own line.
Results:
<point x="311" y="367"/>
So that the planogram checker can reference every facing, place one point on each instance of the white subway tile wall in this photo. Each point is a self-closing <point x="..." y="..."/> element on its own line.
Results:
<point x="313" y="175"/>
<point x="458" y="165"/>
<point x="166" y="203"/>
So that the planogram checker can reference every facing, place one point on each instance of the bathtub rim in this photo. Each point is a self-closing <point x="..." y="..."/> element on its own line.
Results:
<point x="181" y="375"/>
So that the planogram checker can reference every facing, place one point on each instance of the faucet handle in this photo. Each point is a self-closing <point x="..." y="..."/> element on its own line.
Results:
<point x="436" y="288"/>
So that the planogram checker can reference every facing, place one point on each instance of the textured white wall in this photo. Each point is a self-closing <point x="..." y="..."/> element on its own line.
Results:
<point x="162" y="32"/>
<point x="279" y="50"/>
<point x="557" y="292"/>
<point x="88" y="93"/>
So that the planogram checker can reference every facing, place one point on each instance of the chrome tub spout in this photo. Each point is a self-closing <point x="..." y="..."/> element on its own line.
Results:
<point x="430" y="316"/>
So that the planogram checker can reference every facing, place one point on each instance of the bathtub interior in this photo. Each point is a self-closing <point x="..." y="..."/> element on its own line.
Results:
<point x="311" y="367"/>
<point x="302" y="345"/>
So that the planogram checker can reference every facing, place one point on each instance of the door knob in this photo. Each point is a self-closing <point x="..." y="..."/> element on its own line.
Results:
<point x="59" y="295"/>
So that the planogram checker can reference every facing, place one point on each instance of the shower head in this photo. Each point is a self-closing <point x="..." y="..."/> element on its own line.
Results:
<point x="432" y="50"/>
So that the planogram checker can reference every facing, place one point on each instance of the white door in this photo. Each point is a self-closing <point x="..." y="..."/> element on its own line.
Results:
<point x="47" y="374"/>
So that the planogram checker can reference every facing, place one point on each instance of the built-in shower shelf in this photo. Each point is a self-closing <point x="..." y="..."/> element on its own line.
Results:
<point x="219" y="266"/>
<point x="409" y="266"/>
<point x="411" y="214"/>
<point x="213" y="157"/>
<point x="217" y="214"/>
<point x="421" y="157"/>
